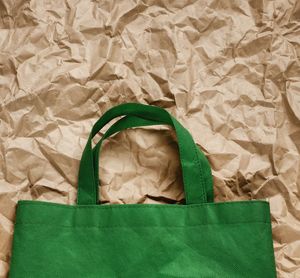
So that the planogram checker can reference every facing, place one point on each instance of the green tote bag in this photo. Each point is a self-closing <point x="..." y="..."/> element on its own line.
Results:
<point x="199" y="238"/>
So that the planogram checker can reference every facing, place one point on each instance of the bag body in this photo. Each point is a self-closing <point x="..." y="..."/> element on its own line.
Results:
<point x="197" y="239"/>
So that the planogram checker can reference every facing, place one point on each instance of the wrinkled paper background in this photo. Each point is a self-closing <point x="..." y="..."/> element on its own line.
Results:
<point x="228" y="70"/>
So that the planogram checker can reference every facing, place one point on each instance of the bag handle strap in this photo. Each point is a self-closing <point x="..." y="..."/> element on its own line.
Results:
<point x="133" y="121"/>
<point x="195" y="168"/>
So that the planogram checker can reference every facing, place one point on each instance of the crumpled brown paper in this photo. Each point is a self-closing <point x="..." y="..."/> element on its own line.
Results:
<point x="228" y="70"/>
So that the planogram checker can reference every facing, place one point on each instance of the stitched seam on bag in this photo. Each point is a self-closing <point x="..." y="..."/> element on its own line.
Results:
<point x="142" y="226"/>
<point x="195" y="159"/>
<point x="186" y="191"/>
<point x="91" y="158"/>
<point x="139" y="206"/>
<point x="203" y="187"/>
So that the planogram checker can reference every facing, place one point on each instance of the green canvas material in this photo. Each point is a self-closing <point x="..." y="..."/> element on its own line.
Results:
<point x="197" y="239"/>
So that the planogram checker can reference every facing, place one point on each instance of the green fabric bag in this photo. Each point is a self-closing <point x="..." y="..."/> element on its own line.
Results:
<point x="198" y="239"/>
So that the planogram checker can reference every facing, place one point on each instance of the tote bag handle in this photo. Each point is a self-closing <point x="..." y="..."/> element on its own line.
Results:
<point x="133" y="121"/>
<point x="195" y="167"/>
